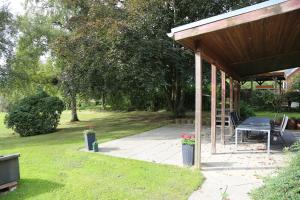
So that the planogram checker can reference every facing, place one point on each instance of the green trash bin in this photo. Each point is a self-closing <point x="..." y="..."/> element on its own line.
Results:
<point x="95" y="147"/>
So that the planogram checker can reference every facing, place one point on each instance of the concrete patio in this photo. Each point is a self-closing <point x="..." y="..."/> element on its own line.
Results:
<point x="228" y="172"/>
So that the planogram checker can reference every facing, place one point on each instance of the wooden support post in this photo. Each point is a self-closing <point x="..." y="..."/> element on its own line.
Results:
<point x="235" y="101"/>
<point x="213" y="107"/>
<point x="223" y="106"/>
<point x="231" y="95"/>
<point x="198" y="110"/>
<point x="275" y="85"/>
<point x="280" y="87"/>
<point x="251" y="85"/>
<point x="238" y="97"/>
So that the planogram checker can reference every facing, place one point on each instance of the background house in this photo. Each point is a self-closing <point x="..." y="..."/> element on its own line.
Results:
<point x="290" y="74"/>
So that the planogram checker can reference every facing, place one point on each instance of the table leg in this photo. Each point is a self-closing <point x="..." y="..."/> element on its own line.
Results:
<point x="269" y="141"/>
<point x="236" y="139"/>
<point x="242" y="136"/>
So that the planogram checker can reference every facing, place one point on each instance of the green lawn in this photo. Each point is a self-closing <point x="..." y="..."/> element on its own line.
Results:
<point x="272" y="114"/>
<point x="52" y="167"/>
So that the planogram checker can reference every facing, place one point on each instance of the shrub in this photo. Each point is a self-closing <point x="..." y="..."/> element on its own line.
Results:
<point x="246" y="110"/>
<point x="33" y="115"/>
<point x="262" y="100"/>
<point x="292" y="96"/>
<point x="283" y="186"/>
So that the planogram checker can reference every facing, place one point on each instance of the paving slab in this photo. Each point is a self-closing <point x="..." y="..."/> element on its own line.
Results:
<point x="230" y="172"/>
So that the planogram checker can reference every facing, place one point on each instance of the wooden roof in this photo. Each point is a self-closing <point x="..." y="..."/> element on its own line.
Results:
<point x="270" y="76"/>
<point x="253" y="40"/>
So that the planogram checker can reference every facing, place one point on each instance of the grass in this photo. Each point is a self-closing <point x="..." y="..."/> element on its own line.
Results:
<point x="52" y="167"/>
<point x="272" y="114"/>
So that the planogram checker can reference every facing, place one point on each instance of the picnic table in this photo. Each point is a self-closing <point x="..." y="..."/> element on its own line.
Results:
<point x="259" y="124"/>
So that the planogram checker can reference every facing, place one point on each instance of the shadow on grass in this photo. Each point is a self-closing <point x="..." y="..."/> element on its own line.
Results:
<point x="29" y="188"/>
<point x="112" y="127"/>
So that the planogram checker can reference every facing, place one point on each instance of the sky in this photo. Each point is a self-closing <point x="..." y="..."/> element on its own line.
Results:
<point x="15" y="6"/>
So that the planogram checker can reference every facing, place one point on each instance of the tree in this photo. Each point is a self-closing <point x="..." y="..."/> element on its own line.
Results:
<point x="118" y="51"/>
<point x="125" y="44"/>
<point x="32" y="67"/>
<point x="296" y="83"/>
<point x="7" y="34"/>
<point x="35" y="64"/>
<point x="158" y="59"/>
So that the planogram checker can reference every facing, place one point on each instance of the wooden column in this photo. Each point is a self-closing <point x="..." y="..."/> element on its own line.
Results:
<point x="213" y="107"/>
<point x="280" y="87"/>
<point x="231" y="95"/>
<point x="223" y="106"/>
<point x="235" y="96"/>
<point x="198" y="109"/>
<point x="238" y="97"/>
<point x="275" y="85"/>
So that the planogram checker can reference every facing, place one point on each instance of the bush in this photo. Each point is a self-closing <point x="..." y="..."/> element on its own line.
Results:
<point x="246" y="110"/>
<point x="292" y="96"/>
<point x="262" y="100"/>
<point x="33" y="115"/>
<point x="286" y="185"/>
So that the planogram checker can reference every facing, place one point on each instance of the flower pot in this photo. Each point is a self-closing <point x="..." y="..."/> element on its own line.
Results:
<point x="291" y="125"/>
<point x="188" y="152"/>
<point x="298" y="124"/>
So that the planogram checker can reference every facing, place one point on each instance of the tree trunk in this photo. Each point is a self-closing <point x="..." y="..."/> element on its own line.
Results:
<point x="74" y="117"/>
<point x="103" y="101"/>
<point x="175" y="94"/>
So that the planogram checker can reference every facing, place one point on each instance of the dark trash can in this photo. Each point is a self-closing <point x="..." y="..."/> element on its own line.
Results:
<point x="90" y="138"/>
<point x="9" y="169"/>
<point x="188" y="154"/>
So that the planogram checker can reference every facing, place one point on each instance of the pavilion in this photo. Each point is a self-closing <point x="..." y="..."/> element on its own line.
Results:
<point x="257" y="39"/>
<point x="277" y="77"/>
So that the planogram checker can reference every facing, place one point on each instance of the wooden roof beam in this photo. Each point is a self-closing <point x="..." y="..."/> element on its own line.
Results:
<point x="271" y="63"/>
<point x="255" y="15"/>
<point x="214" y="59"/>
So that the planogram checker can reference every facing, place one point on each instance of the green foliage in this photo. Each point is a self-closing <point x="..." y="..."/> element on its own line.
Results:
<point x="292" y="96"/>
<point x="120" y="48"/>
<point x="246" y="110"/>
<point x="283" y="186"/>
<point x="116" y="52"/>
<point x="32" y="66"/>
<point x="264" y="100"/>
<point x="188" y="139"/>
<point x="295" y="147"/>
<point x="296" y="83"/>
<point x="7" y="38"/>
<point x="34" y="115"/>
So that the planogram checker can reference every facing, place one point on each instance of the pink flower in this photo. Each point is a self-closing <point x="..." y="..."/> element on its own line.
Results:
<point x="187" y="136"/>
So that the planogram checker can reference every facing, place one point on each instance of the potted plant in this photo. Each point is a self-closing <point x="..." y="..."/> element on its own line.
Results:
<point x="188" y="149"/>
